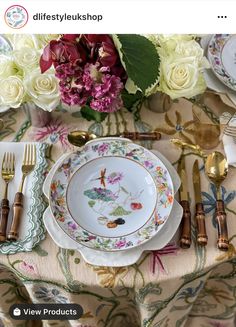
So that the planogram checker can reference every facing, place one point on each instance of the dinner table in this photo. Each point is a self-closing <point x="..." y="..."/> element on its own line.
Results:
<point x="169" y="287"/>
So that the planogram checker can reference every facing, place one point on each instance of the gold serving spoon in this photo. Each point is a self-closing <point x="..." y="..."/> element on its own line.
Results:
<point x="216" y="168"/>
<point x="184" y="145"/>
<point x="80" y="138"/>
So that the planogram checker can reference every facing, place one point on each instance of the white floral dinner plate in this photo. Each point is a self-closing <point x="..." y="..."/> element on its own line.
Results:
<point x="222" y="57"/>
<point x="111" y="195"/>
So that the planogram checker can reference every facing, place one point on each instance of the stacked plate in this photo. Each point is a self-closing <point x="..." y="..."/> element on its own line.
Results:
<point x="112" y="200"/>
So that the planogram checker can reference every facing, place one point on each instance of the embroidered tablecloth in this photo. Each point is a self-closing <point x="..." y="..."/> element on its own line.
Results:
<point x="165" y="288"/>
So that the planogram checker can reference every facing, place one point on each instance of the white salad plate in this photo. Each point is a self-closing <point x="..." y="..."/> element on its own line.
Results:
<point x="111" y="195"/>
<point x="222" y="57"/>
<point x="121" y="258"/>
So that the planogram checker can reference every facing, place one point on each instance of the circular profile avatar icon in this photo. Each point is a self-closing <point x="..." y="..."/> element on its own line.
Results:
<point x="16" y="16"/>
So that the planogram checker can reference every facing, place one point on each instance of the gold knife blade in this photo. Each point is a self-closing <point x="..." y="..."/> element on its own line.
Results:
<point x="183" y="190"/>
<point x="197" y="182"/>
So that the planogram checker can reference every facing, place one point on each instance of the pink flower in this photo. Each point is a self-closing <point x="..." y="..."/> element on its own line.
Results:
<point x="170" y="248"/>
<point x="120" y="244"/>
<point x="28" y="268"/>
<point x="103" y="148"/>
<point x="114" y="178"/>
<point x="61" y="51"/>
<point x="54" y="132"/>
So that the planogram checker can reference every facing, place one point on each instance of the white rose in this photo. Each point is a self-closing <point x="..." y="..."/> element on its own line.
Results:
<point x="181" y="77"/>
<point x="8" y="67"/>
<point x="19" y="41"/>
<point x="192" y="49"/>
<point x="43" y="90"/>
<point x="11" y="92"/>
<point x="27" y="58"/>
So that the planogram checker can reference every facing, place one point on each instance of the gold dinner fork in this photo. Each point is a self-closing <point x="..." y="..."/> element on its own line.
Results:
<point x="28" y="164"/>
<point x="8" y="172"/>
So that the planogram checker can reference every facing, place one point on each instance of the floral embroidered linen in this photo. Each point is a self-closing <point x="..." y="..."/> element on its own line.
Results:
<point x="170" y="287"/>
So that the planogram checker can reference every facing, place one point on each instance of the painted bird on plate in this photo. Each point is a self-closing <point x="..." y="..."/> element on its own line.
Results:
<point x="102" y="177"/>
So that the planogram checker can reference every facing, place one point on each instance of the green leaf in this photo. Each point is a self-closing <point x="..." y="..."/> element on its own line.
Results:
<point x="91" y="203"/>
<point x="40" y="251"/>
<point x="131" y="100"/>
<point x="124" y="190"/>
<point x="141" y="60"/>
<point x="91" y="114"/>
<point x="119" y="211"/>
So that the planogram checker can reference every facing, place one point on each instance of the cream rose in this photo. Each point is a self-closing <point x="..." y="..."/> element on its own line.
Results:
<point x="27" y="58"/>
<point x="11" y="92"/>
<point x="43" y="90"/>
<point x="8" y="67"/>
<point x="20" y="41"/>
<point x="181" y="77"/>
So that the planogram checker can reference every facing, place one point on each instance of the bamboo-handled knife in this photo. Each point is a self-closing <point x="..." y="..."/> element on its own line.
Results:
<point x="200" y="214"/>
<point x="185" y="238"/>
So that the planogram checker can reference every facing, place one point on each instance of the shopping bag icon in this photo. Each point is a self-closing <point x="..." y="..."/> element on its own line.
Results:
<point x="17" y="312"/>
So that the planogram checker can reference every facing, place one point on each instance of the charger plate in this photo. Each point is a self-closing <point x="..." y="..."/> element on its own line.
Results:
<point x="112" y="195"/>
<point x="222" y="56"/>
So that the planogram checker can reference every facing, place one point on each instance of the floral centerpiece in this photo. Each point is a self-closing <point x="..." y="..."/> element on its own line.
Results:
<point x="99" y="73"/>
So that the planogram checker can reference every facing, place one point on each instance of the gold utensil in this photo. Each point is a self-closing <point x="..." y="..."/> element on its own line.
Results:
<point x="216" y="168"/>
<point x="8" y="172"/>
<point x="80" y="138"/>
<point x="28" y="164"/>
<point x="185" y="238"/>
<point x="183" y="145"/>
<point x="200" y="214"/>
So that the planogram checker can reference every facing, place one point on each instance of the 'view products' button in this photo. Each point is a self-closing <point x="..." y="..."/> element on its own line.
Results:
<point x="43" y="311"/>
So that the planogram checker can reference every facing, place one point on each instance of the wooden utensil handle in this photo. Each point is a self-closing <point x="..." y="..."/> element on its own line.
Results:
<point x="185" y="238"/>
<point x="201" y="225"/>
<point x="152" y="136"/>
<point x="3" y="219"/>
<point x="223" y="241"/>
<point x="17" y="213"/>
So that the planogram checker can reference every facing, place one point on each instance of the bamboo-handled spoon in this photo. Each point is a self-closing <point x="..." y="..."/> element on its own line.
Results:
<point x="80" y="138"/>
<point x="216" y="168"/>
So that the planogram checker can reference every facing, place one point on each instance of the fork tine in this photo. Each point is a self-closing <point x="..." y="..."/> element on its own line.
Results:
<point x="34" y="154"/>
<point x="3" y="161"/>
<point x="7" y="162"/>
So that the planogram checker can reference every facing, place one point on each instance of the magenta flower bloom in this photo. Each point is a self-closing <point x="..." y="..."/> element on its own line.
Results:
<point x="120" y="244"/>
<point x="103" y="148"/>
<point x="114" y="178"/>
<point x="89" y="70"/>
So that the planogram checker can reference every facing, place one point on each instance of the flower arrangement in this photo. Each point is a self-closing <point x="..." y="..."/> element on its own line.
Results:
<point x="21" y="80"/>
<point x="99" y="73"/>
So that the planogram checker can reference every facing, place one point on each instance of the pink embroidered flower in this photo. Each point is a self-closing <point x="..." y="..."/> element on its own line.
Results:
<point x="114" y="178"/>
<point x="28" y="268"/>
<point x="170" y="248"/>
<point x="54" y="132"/>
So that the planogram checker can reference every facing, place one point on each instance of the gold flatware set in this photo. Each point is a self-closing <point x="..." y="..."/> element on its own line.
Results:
<point x="80" y="138"/>
<point x="216" y="169"/>
<point x="8" y="173"/>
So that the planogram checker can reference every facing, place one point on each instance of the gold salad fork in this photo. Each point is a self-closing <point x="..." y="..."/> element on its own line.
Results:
<point x="8" y="172"/>
<point x="28" y="164"/>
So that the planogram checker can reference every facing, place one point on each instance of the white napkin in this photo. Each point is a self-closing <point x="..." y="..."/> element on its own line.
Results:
<point x="229" y="142"/>
<point x="31" y="229"/>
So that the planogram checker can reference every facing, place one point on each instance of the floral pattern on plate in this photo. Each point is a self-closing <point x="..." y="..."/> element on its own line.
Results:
<point x="218" y="61"/>
<point x="116" y="148"/>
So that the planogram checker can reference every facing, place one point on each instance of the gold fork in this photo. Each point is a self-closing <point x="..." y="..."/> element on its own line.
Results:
<point x="28" y="164"/>
<point x="8" y="172"/>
